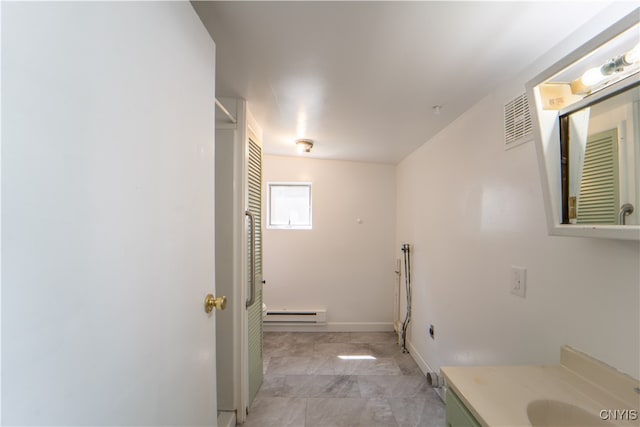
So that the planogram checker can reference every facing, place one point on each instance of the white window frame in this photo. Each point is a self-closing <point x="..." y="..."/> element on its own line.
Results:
<point x="308" y="226"/>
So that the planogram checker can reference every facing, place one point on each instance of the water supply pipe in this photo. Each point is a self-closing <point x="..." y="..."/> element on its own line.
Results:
<point x="406" y="251"/>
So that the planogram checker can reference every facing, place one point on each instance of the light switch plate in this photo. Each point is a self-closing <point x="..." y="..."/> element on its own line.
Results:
<point x="518" y="281"/>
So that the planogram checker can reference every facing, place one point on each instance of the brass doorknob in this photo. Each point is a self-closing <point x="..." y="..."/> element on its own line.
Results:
<point x="211" y="302"/>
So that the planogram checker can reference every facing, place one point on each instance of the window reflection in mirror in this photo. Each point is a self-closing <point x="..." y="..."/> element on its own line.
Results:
<point x="600" y="156"/>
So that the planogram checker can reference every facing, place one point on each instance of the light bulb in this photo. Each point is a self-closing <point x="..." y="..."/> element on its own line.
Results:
<point x="592" y="76"/>
<point x="633" y="55"/>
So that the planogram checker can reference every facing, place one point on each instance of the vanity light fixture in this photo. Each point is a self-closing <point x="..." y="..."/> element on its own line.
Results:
<point x="597" y="75"/>
<point x="304" y="145"/>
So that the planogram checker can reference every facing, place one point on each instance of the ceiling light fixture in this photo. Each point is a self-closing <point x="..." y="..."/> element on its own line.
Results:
<point x="304" y="145"/>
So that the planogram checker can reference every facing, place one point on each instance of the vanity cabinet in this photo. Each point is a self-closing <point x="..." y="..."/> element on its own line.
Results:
<point x="457" y="414"/>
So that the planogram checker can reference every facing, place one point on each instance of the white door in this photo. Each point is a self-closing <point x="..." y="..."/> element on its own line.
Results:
<point x="107" y="214"/>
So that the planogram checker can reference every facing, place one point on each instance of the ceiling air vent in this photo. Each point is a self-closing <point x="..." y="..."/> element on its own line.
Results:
<point x="518" y="127"/>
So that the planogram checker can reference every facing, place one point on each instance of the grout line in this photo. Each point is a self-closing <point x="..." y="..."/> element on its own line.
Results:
<point x="306" y="411"/>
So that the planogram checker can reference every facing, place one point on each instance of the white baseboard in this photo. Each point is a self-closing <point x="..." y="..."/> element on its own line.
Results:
<point x="425" y="368"/>
<point x="226" y="419"/>
<point x="332" y="327"/>
<point x="422" y="364"/>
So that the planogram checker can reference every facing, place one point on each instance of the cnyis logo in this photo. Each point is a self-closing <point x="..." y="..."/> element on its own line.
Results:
<point x="619" y="414"/>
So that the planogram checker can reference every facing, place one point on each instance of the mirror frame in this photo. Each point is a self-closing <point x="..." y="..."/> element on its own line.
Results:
<point x="546" y="130"/>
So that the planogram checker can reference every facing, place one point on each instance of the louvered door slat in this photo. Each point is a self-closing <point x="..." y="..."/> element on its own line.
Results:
<point x="598" y="201"/>
<point x="254" y="185"/>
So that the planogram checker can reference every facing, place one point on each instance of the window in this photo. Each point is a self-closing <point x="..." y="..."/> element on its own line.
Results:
<point x="289" y="205"/>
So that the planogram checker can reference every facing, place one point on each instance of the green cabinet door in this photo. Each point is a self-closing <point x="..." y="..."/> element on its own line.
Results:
<point x="457" y="414"/>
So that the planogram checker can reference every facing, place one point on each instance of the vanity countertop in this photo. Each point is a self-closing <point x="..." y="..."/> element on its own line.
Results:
<point x="500" y="395"/>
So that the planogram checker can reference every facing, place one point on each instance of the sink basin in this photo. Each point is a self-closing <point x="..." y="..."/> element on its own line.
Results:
<point x="554" y="413"/>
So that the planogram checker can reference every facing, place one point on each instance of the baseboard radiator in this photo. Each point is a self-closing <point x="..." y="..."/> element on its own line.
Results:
<point x="299" y="317"/>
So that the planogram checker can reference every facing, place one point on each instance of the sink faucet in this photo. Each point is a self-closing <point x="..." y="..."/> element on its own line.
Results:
<point x="625" y="210"/>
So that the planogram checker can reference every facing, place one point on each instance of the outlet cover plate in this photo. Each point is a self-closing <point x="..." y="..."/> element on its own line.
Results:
<point x="518" y="281"/>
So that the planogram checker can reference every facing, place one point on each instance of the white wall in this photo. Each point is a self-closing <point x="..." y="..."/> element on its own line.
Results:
<point x="107" y="221"/>
<point x="472" y="210"/>
<point x="339" y="265"/>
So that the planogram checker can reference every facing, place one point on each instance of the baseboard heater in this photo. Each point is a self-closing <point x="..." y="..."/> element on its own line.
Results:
<point x="296" y="316"/>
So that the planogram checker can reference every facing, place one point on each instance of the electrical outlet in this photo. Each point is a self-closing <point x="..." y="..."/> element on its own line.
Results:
<point x="518" y="281"/>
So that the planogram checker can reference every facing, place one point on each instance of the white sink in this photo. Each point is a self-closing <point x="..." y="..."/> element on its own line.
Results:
<point x="555" y="413"/>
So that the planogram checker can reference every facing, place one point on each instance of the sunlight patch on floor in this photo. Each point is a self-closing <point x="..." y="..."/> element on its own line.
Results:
<point x="356" y="357"/>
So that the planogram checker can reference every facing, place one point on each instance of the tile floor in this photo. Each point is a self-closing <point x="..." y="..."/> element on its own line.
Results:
<point x="307" y="385"/>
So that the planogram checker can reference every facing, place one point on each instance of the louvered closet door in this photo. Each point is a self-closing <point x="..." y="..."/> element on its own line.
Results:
<point x="255" y="310"/>
<point x="599" y="195"/>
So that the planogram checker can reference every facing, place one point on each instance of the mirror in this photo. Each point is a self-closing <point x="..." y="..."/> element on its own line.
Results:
<point x="600" y="153"/>
<point x="586" y="125"/>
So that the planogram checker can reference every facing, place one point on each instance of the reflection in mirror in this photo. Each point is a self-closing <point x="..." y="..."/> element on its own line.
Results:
<point x="600" y="154"/>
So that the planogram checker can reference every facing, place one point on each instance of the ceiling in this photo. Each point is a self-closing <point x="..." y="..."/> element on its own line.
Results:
<point x="361" y="78"/>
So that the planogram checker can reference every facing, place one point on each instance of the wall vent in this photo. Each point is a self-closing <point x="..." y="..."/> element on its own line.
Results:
<point x="518" y="127"/>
